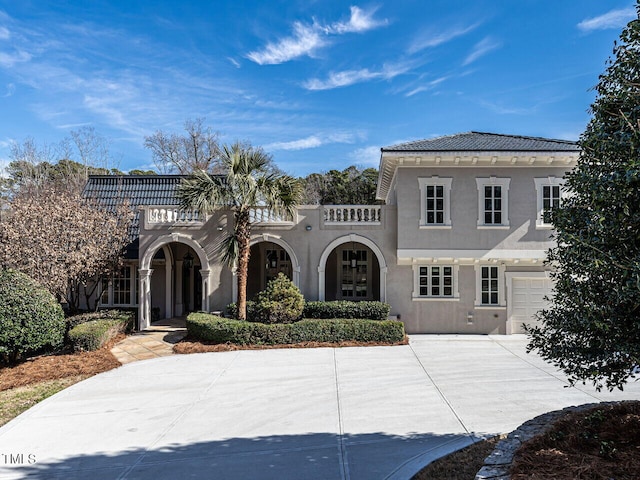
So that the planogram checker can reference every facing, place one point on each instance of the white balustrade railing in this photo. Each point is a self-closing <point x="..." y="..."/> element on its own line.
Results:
<point x="352" y="214"/>
<point x="266" y="215"/>
<point x="172" y="215"/>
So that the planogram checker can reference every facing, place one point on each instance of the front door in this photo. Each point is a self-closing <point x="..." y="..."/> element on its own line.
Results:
<point x="354" y="275"/>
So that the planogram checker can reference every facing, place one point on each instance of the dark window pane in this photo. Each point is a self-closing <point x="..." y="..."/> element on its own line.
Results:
<point x="440" y="217"/>
<point x="488" y="218"/>
<point x="423" y="270"/>
<point x="423" y="280"/>
<point x="430" y="217"/>
<point x="485" y="285"/>
<point x="487" y="204"/>
<point x="497" y="204"/>
<point x="556" y="191"/>
<point x="435" y="291"/>
<point x="494" y="272"/>
<point x="485" y="272"/>
<point x="424" y="291"/>
<point x="439" y="191"/>
<point x="497" y="192"/>
<point x="430" y="191"/>
<point x="430" y="204"/>
<point x="439" y="204"/>
<point x="447" y="270"/>
<point x="448" y="292"/>
<point x="435" y="270"/>
<point x="485" y="298"/>
<point x="494" y="285"/>
<point x="447" y="280"/>
<point x="494" y="298"/>
<point x="497" y="217"/>
<point x="546" y="191"/>
<point x="435" y="281"/>
<point x="487" y="192"/>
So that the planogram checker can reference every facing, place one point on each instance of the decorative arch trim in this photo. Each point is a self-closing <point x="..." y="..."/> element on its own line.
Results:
<point x="352" y="238"/>
<point x="295" y="265"/>
<point x="151" y="250"/>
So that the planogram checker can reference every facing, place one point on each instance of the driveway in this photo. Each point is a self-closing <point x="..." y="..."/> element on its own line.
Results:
<point x="347" y="413"/>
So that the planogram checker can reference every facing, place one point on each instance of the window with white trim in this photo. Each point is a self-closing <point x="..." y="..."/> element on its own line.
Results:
<point x="549" y="196"/>
<point x="120" y="289"/>
<point x="435" y="201"/>
<point x="435" y="281"/>
<point x="490" y="286"/>
<point x="493" y="202"/>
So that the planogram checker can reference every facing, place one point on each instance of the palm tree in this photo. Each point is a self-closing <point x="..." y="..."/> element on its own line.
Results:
<point x="249" y="181"/>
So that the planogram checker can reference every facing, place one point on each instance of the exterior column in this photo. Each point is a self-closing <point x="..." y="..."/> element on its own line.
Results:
<point x="205" y="290"/>
<point x="144" y="319"/>
<point x="321" y="286"/>
<point x="383" y="284"/>
<point x="179" y="306"/>
<point x="234" y="284"/>
<point x="168" y="287"/>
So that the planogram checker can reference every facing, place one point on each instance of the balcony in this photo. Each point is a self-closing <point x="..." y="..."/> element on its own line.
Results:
<point x="172" y="215"/>
<point x="352" y="214"/>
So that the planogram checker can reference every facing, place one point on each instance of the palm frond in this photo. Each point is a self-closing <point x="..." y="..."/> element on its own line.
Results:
<point x="229" y="249"/>
<point x="203" y="192"/>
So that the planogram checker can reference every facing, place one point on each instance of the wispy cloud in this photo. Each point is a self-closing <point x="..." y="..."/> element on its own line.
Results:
<point x="366" y="156"/>
<point x="612" y="19"/>
<point x="315" y="141"/>
<point x="480" y="49"/>
<point x="4" y="33"/>
<point x="11" y="88"/>
<point x="351" y="77"/>
<point x="426" y="87"/>
<point x="234" y="62"/>
<point x="308" y="38"/>
<point x="433" y="39"/>
<point x="360" y="21"/>
<point x="8" y="60"/>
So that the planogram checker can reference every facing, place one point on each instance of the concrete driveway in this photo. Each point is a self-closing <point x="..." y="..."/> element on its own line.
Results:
<point x="349" y="413"/>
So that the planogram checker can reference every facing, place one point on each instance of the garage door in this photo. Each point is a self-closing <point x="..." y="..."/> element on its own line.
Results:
<point x="527" y="298"/>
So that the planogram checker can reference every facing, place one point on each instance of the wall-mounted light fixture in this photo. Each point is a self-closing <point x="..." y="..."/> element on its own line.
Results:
<point x="219" y="228"/>
<point x="308" y="228"/>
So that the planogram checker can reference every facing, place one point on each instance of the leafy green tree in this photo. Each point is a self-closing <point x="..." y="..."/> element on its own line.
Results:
<point x="351" y="186"/>
<point x="592" y="329"/>
<point x="248" y="182"/>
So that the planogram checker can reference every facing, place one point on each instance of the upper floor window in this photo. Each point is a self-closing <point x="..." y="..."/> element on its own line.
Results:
<point x="493" y="202"/>
<point x="549" y="194"/>
<point x="435" y="202"/>
<point x="435" y="281"/>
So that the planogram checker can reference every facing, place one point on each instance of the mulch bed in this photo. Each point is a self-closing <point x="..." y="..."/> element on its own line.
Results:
<point x="192" y="346"/>
<point x="598" y="444"/>
<point x="51" y="367"/>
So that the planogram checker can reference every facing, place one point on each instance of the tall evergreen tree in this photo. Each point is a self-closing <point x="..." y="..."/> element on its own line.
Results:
<point x="592" y="329"/>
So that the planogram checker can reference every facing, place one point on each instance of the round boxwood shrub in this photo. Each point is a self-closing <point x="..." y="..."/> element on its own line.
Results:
<point x="280" y="302"/>
<point x="31" y="320"/>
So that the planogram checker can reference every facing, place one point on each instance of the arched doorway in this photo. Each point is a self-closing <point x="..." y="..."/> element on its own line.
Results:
<point x="352" y="268"/>
<point x="174" y="279"/>
<point x="270" y="256"/>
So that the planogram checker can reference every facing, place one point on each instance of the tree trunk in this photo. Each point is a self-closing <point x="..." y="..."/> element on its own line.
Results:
<point x="243" y="235"/>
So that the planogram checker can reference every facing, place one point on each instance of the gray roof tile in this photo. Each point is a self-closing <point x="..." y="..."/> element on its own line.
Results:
<point x="481" y="141"/>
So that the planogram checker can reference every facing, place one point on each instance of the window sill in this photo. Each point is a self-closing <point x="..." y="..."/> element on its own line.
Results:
<point x="435" y="299"/>
<point x="544" y="226"/>
<point x="435" y="227"/>
<point x="494" y="227"/>
<point x="490" y="307"/>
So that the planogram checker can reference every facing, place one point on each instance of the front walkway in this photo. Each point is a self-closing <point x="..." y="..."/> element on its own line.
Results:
<point x="156" y="341"/>
<point x="318" y="413"/>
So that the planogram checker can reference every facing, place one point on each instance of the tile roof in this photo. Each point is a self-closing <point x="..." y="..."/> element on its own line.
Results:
<point x="481" y="141"/>
<point x="138" y="190"/>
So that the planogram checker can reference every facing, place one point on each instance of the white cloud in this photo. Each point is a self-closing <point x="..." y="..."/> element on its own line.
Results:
<point x="315" y="141"/>
<point x="306" y="39"/>
<point x="360" y="21"/>
<point x="429" y="86"/>
<point x="8" y="60"/>
<point x="4" y="33"/>
<point x="11" y="88"/>
<point x="234" y="62"/>
<point x="612" y="19"/>
<point x="480" y="49"/>
<point x="350" y="77"/>
<point x="366" y="156"/>
<point x="431" y="39"/>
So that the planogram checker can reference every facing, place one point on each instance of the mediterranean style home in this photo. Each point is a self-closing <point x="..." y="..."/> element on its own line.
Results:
<point x="457" y="244"/>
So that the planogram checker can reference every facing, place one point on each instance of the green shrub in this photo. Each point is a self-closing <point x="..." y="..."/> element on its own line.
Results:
<point x="101" y="315"/>
<point x="232" y="310"/>
<point x="93" y="334"/>
<point x="211" y="328"/>
<point x="31" y="320"/>
<point x="346" y="309"/>
<point x="280" y="302"/>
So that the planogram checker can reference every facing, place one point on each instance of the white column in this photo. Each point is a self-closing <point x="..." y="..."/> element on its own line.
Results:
<point x="179" y="306"/>
<point x="205" y="289"/>
<point x="321" y="279"/>
<point x="145" y="299"/>
<point x="168" y="285"/>
<point x="383" y="284"/>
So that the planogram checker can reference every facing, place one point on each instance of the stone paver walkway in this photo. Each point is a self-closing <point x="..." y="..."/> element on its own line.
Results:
<point x="156" y="341"/>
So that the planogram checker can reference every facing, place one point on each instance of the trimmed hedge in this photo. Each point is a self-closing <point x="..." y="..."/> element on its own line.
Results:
<point x="346" y="309"/>
<point x="232" y="310"/>
<point x="280" y="302"/>
<point x="31" y="320"/>
<point x="93" y="334"/>
<point x="100" y="315"/>
<point x="211" y="328"/>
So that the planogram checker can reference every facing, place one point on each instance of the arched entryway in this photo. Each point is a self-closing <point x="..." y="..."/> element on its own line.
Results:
<point x="352" y="268"/>
<point x="174" y="279"/>
<point x="270" y="255"/>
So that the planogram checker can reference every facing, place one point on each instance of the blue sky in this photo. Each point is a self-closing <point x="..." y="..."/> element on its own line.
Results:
<point x="318" y="84"/>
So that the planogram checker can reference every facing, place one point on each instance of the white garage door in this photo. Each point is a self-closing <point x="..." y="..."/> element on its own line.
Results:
<point x="527" y="298"/>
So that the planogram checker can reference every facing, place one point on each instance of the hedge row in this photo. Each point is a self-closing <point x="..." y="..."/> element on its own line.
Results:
<point x="211" y="328"/>
<point x="346" y="309"/>
<point x="336" y="309"/>
<point x="93" y="334"/>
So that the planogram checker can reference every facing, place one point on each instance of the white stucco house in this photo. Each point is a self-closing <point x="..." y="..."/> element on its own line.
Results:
<point x="457" y="246"/>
